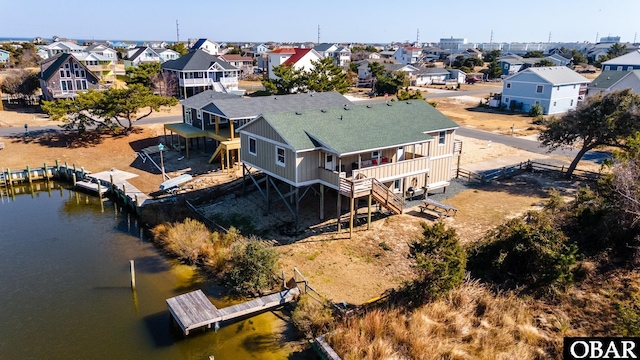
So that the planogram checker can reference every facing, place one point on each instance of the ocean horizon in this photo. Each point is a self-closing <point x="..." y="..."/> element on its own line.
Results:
<point x="80" y="41"/>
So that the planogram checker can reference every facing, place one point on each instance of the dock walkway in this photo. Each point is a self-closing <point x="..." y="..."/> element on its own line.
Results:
<point x="193" y="310"/>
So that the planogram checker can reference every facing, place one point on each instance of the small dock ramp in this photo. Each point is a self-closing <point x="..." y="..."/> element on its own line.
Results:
<point x="193" y="310"/>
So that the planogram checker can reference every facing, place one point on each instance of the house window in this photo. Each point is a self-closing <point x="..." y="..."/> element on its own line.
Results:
<point x="607" y="68"/>
<point x="199" y="114"/>
<point x="253" y="146"/>
<point x="280" y="156"/>
<point x="571" y="102"/>
<point x="539" y="89"/>
<point x="554" y="103"/>
<point x="537" y="102"/>
<point x="508" y="85"/>
<point x="442" y="137"/>
<point x="375" y="154"/>
<point x="397" y="184"/>
<point x="574" y="86"/>
<point x="629" y="68"/>
<point x="619" y="68"/>
<point x="81" y="84"/>
<point x="506" y="100"/>
<point x="66" y="85"/>
<point x="62" y="73"/>
<point x="558" y="88"/>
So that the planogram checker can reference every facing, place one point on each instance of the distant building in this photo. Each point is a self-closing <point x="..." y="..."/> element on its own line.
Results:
<point x="626" y="62"/>
<point x="206" y="45"/>
<point x="4" y="56"/>
<point x="609" y="39"/>
<point x="453" y="44"/>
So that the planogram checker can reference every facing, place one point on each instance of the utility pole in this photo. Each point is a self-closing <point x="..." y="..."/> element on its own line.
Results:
<point x="318" y="33"/>
<point x="634" y="37"/>
<point x="549" y="37"/>
<point x="177" y="32"/>
<point x="418" y="37"/>
<point x="491" y="40"/>
<point x="597" y="36"/>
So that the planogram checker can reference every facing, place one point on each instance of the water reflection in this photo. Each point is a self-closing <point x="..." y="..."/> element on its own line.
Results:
<point x="65" y="287"/>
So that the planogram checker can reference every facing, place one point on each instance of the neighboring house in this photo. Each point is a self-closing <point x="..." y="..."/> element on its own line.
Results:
<point x="298" y="58"/>
<point x="325" y="49"/>
<point x="558" y="60"/>
<point x="512" y="64"/>
<point x="64" y="76"/>
<point x="199" y="71"/>
<point x="104" y="51"/>
<point x="258" y="50"/>
<point x="407" y="55"/>
<point x="102" y="66"/>
<point x="4" y="56"/>
<point x="430" y="76"/>
<point x="458" y="76"/>
<point x="398" y="148"/>
<point x="557" y="89"/>
<point x="342" y="56"/>
<point x="157" y="44"/>
<point x="613" y="80"/>
<point x="627" y="62"/>
<point x="206" y="45"/>
<point x="166" y="54"/>
<point x="141" y="54"/>
<point x="387" y="54"/>
<point x="244" y="63"/>
<point x="63" y="47"/>
<point x="473" y="53"/>
<point x="364" y="74"/>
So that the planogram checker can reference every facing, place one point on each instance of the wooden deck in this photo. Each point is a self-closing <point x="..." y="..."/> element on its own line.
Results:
<point x="120" y="184"/>
<point x="193" y="310"/>
<point x="92" y="187"/>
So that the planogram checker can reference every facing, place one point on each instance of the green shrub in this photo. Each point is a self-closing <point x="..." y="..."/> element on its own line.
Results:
<point x="439" y="262"/>
<point x="252" y="267"/>
<point x="528" y="251"/>
<point x="186" y="240"/>
<point x="536" y="110"/>
<point x="311" y="317"/>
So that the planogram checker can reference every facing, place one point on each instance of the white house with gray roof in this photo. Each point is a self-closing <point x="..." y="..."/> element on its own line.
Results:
<point x="379" y="150"/>
<point x="198" y="71"/>
<point x="613" y="80"/>
<point x="557" y="89"/>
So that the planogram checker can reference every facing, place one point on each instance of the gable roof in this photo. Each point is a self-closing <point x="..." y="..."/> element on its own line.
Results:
<point x="196" y="60"/>
<point x="204" y="98"/>
<point x="377" y="126"/>
<point x="555" y="75"/>
<point x="609" y="78"/>
<point x="139" y="51"/>
<point x="322" y="47"/>
<point x="201" y="42"/>
<point x="399" y="67"/>
<point x="283" y="51"/>
<point x="58" y="60"/>
<point x="299" y="53"/>
<point x="242" y="108"/>
<point x="234" y="57"/>
<point x="433" y="71"/>
<point x="631" y="58"/>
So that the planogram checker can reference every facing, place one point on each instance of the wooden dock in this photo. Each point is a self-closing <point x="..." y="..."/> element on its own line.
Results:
<point x="193" y="310"/>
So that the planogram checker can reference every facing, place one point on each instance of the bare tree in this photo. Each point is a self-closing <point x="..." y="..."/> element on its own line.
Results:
<point x="164" y="84"/>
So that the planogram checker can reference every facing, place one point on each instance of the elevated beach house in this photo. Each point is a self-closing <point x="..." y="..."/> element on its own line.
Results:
<point x="384" y="151"/>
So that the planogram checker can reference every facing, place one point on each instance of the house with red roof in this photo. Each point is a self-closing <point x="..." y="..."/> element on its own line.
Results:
<point x="296" y="57"/>
<point x="408" y="55"/>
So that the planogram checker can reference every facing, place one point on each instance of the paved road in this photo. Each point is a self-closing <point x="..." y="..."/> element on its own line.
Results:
<point x="529" y="145"/>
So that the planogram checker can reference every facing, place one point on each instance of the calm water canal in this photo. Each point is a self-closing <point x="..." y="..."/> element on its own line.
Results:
<point x="65" y="293"/>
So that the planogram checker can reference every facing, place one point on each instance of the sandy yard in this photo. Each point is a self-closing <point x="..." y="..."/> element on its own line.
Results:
<point x="343" y="269"/>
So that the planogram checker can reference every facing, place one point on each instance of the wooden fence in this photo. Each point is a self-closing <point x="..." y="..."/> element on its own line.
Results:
<point x="526" y="166"/>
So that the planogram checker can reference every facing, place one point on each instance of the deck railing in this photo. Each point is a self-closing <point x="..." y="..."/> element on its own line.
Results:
<point x="394" y="170"/>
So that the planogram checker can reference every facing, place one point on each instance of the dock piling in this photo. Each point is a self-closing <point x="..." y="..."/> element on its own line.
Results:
<point x="133" y="275"/>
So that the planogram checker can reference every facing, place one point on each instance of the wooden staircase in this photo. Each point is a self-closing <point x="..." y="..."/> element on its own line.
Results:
<point x="380" y="193"/>
<point x="385" y="197"/>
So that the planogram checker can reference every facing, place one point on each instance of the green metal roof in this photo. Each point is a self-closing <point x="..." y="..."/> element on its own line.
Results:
<point x="360" y="128"/>
<point x="608" y="78"/>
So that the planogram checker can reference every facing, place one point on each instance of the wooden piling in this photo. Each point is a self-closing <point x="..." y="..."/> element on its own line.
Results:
<point x="58" y="168"/>
<point x="9" y="177"/>
<point x="28" y="174"/>
<point x="111" y="185"/>
<point x="133" y="274"/>
<point x="73" y="177"/>
<point x="66" y="171"/>
<point x="369" y="212"/>
<point x="46" y="172"/>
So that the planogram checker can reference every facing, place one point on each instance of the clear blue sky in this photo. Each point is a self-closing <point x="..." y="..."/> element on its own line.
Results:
<point x="369" y="21"/>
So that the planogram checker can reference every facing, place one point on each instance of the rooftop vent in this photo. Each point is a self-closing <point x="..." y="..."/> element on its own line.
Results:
<point x="368" y="106"/>
<point x="340" y="117"/>
<point x="275" y="98"/>
<point x="298" y="113"/>
<point x="389" y="104"/>
<point x="409" y="102"/>
<point x="346" y="107"/>
<point x="323" y="110"/>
